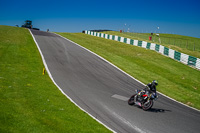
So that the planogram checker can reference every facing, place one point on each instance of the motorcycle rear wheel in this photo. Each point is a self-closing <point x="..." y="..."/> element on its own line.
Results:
<point x="131" y="100"/>
<point x="148" y="105"/>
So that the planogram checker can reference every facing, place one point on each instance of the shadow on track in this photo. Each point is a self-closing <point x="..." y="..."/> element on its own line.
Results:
<point x="155" y="110"/>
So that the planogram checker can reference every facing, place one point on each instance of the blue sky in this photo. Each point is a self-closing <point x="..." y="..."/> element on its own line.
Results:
<point x="171" y="16"/>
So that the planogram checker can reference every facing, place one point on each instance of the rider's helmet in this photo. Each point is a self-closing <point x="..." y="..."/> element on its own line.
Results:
<point x="155" y="82"/>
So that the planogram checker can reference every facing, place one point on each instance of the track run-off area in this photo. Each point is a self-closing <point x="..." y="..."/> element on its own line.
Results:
<point x="102" y="90"/>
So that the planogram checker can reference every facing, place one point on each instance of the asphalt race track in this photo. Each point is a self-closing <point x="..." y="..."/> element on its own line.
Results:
<point x="102" y="90"/>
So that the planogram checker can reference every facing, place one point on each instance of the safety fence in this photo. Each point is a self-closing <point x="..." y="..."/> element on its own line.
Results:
<point x="192" y="44"/>
<point x="181" y="57"/>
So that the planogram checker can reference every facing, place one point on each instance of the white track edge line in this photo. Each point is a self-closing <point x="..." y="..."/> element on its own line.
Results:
<point x="46" y="67"/>
<point x="127" y="73"/>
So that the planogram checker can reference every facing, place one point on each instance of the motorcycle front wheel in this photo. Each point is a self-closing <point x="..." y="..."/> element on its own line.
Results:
<point x="147" y="105"/>
<point x="131" y="100"/>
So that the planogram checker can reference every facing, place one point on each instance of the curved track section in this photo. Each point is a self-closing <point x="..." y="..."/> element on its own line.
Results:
<point x="102" y="90"/>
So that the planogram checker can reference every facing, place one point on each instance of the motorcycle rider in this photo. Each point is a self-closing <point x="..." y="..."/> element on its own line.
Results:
<point x="152" y="86"/>
<point x="149" y="87"/>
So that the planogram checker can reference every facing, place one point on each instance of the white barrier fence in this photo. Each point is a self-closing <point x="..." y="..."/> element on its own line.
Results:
<point x="181" y="57"/>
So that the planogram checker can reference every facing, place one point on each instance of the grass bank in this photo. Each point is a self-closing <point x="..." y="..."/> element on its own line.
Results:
<point x="175" y="79"/>
<point x="29" y="101"/>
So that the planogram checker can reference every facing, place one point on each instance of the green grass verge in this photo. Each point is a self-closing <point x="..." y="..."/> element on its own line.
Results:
<point x="175" y="79"/>
<point x="183" y="44"/>
<point x="29" y="101"/>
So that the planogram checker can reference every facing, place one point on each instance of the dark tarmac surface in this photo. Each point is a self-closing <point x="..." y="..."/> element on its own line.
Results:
<point x="102" y="90"/>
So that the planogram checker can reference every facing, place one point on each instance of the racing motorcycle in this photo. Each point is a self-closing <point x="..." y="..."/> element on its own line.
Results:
<point x="143" y="99"/>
